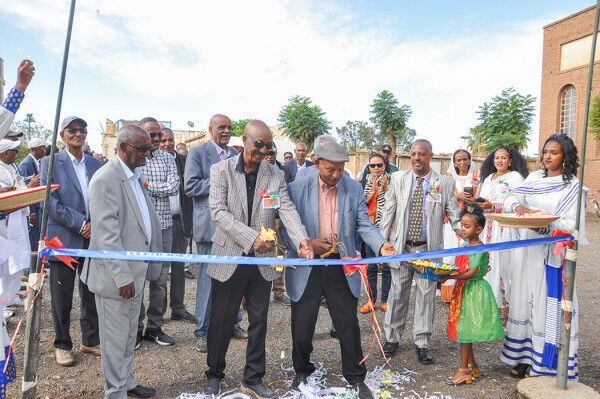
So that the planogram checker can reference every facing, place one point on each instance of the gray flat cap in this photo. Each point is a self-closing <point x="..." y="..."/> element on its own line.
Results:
<point x="327" y="148"/>
<point x="69" y="119"/>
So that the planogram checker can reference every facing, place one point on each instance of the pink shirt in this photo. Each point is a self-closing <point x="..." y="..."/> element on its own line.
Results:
<point x="328" y="217"/>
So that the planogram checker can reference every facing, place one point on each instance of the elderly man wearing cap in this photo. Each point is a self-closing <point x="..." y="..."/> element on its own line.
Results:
<point x="30" y="167"/>
<point x="13" y="99"/>
<point x="14" y="223"/>
<point x="386" y="151"/>
<point x="69" y="220"/>
<point x="332" y="207"/>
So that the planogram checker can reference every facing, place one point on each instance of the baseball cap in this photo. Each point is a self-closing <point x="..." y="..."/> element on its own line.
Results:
<point x="69" y="119"/>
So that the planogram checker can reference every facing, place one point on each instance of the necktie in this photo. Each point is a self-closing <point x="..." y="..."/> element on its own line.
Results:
<point x="415" y="223"/>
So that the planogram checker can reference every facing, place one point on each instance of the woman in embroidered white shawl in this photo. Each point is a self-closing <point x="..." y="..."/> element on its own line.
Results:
<point x="534" y="322"/>
<point x="503" y="170"/>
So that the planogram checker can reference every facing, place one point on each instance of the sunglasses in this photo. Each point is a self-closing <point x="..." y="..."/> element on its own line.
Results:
<point x="153" y="135"/>
<point x="558" y="136"/>
<point x="72" y="130"/>
<point x="260" y="144"/>
<point x="142" y="149"/>
<point x="376" y="165"/>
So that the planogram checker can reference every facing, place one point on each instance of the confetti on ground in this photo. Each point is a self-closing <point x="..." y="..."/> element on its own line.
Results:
<point x="385" y="384"/>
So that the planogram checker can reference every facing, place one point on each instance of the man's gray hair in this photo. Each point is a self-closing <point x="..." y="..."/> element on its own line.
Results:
<point x="302" y="144"/>
<point x="128" y="133"/>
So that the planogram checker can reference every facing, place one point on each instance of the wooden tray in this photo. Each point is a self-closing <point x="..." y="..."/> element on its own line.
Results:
<point x="527" y="221"/>
<point x="19" y="198"/>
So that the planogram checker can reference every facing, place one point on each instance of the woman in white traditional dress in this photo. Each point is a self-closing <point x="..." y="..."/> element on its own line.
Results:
<point x="534" y="322"/>
<point x="463" y="171"/>
<point x="502" y="171"/>
<point x="14" y="250"/>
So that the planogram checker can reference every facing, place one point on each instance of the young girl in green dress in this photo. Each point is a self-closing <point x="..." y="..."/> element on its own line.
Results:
<point x="474" y="315"/>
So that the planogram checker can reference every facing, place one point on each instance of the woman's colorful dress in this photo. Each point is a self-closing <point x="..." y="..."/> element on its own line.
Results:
<point x="534" y="322"/>
<point x="473" y="315"/>
<point x="496" y="190"/>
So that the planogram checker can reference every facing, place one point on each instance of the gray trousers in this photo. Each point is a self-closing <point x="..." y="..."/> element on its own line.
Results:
<point x="157" y="301"/>
<point x="117" y="319"/>
<point x="397" y="305"/>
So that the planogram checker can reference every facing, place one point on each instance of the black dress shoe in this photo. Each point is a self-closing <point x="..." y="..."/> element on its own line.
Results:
<point x="363" y="390"/>
<point x="240" y="333"/>
<point x="389" y="348"/>
<point x="259" y="390"/>
<point x="141" y="392"/>
<point x="299" y="378"/>
<point x="424" y="355"/>
<point x="213" y="386"/>
<point x="184" y="316"/>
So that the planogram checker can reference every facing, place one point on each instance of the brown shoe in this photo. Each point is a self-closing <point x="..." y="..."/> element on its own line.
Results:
<point x="64" y="358"/>
<point x="92" y="350"/>
<point x="384" y="306"/>
<point x="369" y="306"/>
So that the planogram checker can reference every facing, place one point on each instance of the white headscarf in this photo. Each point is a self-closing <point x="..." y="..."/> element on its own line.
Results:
<point x="6" y="145"/>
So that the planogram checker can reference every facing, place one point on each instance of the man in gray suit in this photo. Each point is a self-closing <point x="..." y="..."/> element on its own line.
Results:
<point x="123" y="219"/>
<point x="333" y="209"/>
<point x="197" y="186"/>
<point x="413" y="220"/>
<point x="241" y="192"/>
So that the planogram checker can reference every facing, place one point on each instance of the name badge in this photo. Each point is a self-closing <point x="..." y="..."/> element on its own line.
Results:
<point x="269" y="200"/>
<point x="434" y="193"/>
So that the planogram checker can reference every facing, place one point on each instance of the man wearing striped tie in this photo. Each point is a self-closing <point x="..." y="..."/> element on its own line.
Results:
<point x="413" y="219"/>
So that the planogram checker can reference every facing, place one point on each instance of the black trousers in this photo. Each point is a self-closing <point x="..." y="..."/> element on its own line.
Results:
<point x="329" y="281"/>
<point x="177" y="268"/>
<point x="62" y="285"/>
<point x="226" y="299"/>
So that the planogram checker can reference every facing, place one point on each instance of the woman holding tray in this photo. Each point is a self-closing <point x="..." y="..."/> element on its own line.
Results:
<point x="503" y="170"/>
<point x="534" y="325"/>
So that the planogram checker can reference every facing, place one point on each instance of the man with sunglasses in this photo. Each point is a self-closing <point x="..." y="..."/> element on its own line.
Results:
<point x="161" y="182"/>
<point x="245" y="195"/>
<point x="69" y="220"/>
<point x="197" y="186"/>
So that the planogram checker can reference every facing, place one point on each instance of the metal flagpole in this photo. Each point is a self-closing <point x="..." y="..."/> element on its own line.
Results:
<point x="32" y="337"/>
<point x="571" y="257"/>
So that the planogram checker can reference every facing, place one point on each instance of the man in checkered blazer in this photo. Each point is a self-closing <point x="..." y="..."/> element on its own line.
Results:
<point x="237" y="188"/>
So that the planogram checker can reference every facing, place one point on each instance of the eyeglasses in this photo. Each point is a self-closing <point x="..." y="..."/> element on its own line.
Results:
<point x="153" y="135"/>
<point x="376" y="165"/>
<point x="558" y="136"/>
<point x="142" y="149"/>
<point x="73" y="130"/>
<point x="260" y="144"/>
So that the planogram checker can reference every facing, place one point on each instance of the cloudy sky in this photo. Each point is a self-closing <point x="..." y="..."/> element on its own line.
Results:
<point x="186" y="60"/>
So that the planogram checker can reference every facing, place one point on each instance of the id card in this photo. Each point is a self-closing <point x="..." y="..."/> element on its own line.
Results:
<point x="271" y="201"/>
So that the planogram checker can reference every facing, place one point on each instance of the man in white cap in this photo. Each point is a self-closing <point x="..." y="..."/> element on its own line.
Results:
<point x="13" y="99"/>
<point x="333" y="209"/>
<point x="30" y="168"/>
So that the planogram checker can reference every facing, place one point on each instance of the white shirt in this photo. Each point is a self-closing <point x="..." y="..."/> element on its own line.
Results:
<point x="174" y="199"/>
<point x="134" y="180"/>
<point x="301" y="166"/>
<point x="82" y="177"/>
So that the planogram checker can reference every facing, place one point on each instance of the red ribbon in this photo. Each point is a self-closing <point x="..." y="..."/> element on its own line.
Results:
<point x="57" y="243"/>
<point x="558" y="247"/>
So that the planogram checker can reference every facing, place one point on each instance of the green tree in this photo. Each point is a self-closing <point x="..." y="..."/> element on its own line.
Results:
<point x="30" y="129"/>
<point x="237" y="127"/>
<point x="356" y="134"/>
<point x="506" y="120"/>
<point x="594" y="122"/>
<point x="390" y="120"/>
<point x="475" y="141"/>
<point x="302" y="121"/>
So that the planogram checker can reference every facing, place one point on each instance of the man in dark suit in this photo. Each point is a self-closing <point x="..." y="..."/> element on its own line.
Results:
<point x="197" y="186"/>
<point x="181" y="209"/>
<point x="332" y="207"/>
<point x="300" y="162"/>
<point x="239" y="209"/>
<point x="30" y="167"/>
<point x="69" y="220"/>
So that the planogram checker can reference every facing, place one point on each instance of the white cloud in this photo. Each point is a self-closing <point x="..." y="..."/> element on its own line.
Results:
<point x="188" y="60"/>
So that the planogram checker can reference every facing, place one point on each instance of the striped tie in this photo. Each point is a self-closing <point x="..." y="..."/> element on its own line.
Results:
<point x="415" y="223"/>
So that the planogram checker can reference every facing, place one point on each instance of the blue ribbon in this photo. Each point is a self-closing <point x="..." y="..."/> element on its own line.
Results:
<point x="238" y="260"/>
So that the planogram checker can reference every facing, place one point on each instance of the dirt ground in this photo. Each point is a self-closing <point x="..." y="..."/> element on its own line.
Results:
<point x="179" y="368"/>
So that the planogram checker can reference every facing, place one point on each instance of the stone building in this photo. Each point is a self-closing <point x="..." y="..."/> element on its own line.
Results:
<point x="565" y="60"/>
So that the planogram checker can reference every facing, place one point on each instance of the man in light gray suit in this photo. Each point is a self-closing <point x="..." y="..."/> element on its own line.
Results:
<point x="123" y="219"/>
<point x="242" y="200"/>
<point x="197" y="186"/>
<point x="413" y="221"/>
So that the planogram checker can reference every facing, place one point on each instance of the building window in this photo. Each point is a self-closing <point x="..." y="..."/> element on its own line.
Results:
<point x="568" y="110"/>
